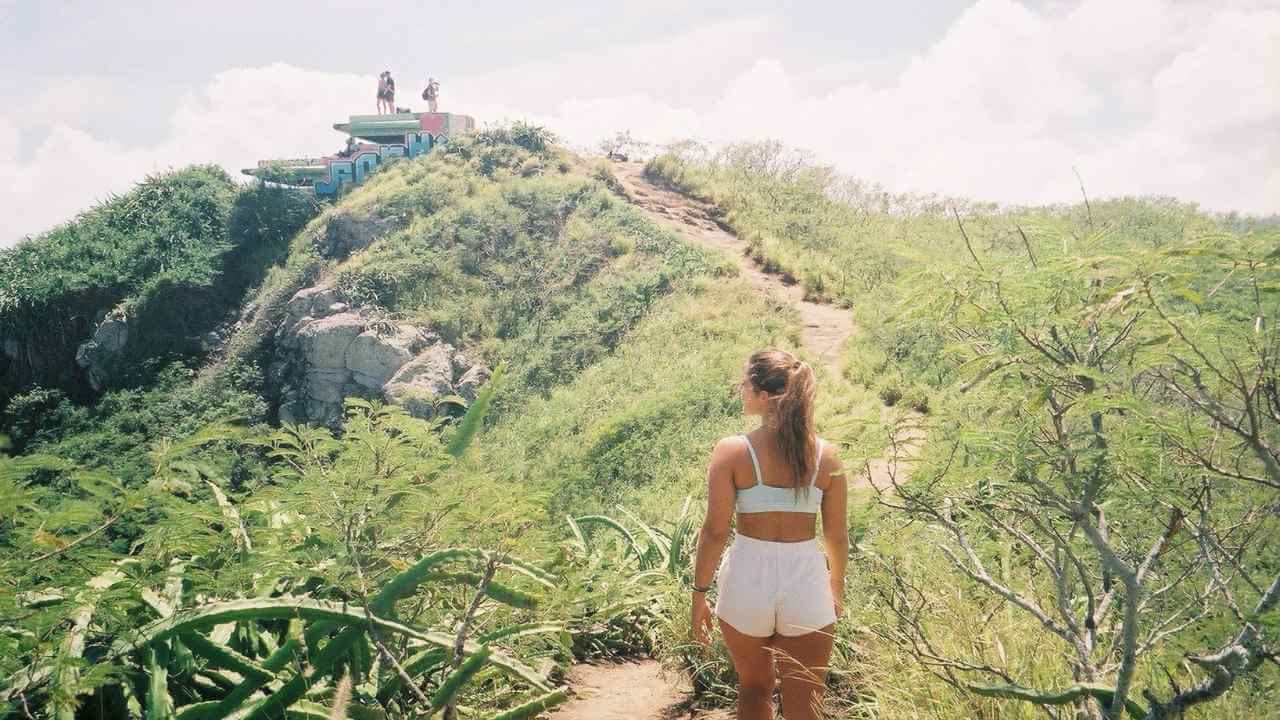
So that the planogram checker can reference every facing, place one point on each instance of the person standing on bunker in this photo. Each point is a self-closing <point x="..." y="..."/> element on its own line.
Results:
<point x="431" y="94"/>
<point x="391" y="92"/>
<point x="382" y="90"/>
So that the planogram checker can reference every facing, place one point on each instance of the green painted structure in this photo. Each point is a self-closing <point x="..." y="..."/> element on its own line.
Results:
<point x="384" y="137"/>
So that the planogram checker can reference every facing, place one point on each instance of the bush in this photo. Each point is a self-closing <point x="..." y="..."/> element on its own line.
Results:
<point x="176" y="254"/>
<point x="890" y="391"/>
<point x="39" y="414"/>
<point x="620" y="246"/>
<point x="602" y="170"/>
<point x="917" y="398"/>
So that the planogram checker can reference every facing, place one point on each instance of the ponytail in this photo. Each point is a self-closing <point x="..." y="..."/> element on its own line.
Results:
<point x="791" y="383"/>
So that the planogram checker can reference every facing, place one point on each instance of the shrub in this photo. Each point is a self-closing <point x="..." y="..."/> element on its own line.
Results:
<point x="602" y="170"/>
<point x="38" y="414"/>
<point x="890" y="391"/>
<point x="916" y="397"/>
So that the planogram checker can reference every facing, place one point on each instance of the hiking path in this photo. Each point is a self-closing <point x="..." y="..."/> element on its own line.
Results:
<point x="638" y="689"/>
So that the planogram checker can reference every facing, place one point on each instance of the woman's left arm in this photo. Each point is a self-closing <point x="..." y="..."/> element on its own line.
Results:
<point x="835" y="528"/>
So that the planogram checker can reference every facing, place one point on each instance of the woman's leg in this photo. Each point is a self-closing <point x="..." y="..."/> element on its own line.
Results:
<point x="753" y="660"/>
<point x="802" y="662"/>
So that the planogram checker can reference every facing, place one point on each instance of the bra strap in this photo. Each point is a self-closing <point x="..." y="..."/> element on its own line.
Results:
<point x="816" y="465"/>
<point x="754" y="462"/>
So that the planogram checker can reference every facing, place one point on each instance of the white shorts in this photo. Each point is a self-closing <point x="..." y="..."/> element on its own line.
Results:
<point x="775" y="587"/>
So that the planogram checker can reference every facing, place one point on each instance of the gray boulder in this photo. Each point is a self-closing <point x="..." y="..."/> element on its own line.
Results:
<point x="328" y="351"/>
<point x="99" y="353"/>
<point x="471" y="381"/>
<point x="423" y="379"/>
<point x="309" y="302"/>
<point x="327" y="385"/>
<point x="112" y="334"/>
<point x="374" y="357"/>
<point x="323" y="342"/>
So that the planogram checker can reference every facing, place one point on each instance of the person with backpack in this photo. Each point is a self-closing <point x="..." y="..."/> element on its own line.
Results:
<point x="431" y="93"/>
<point x="382" y="90"/>
<point x="390" y="95"/>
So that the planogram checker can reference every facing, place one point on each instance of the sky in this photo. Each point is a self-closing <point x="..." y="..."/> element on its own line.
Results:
<point x="994" y="100"/>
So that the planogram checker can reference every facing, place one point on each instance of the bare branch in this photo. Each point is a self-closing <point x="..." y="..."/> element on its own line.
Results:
<point x="987" y="372"/>
<point x="967" y="244"/>
<point x="1027" y="244"/>
<point x="1085" y="195"/>
<point x="979" y="574"/>
<point x="1101" y="693"/>
<point x="450" y="711"/>
<point x="54" y="553"/>
<point x="1242" y="654"/>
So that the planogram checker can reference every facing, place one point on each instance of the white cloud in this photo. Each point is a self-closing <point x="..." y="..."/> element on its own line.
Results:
<point x="242" y="115"/>
<point x="1144" y="97"/>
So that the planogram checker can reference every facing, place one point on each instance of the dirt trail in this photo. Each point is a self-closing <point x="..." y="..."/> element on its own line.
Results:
<point x="826" y="327"/>
<point x="637" y="690"/>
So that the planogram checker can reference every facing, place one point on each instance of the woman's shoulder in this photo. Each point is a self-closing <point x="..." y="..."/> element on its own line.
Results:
<point x="728" y="447"/>
<point x="828" y="452"/>
<point x="829" y="459"/>
<point x="729" y="443"/>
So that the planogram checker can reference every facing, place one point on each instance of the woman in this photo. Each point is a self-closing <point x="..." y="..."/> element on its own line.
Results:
<point x="776" y="594"/>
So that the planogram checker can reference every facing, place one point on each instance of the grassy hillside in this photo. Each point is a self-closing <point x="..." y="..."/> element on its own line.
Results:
<point x="172" y="257"/>
<point x="1118" y="356"/>
<point x="171" y="548"/>
<point x="180" y="494"/>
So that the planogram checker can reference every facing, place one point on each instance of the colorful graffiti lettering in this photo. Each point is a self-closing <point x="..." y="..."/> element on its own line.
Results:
<point x="419" y="143"/>
<point x="356" y="168"/>
<point x="379" y="139"/>
<point x="340" y="172"/>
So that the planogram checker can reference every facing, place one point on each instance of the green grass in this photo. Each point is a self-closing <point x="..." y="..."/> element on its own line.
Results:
<point x="174" y="255"/>
<point x="934" y="311"/>
<point x="620" y="343"/>
<point x="619" y="338"/>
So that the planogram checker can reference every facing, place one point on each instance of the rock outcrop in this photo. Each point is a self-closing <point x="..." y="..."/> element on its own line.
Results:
<point x="98" y="355"/>
<point x="329" y="350"/>
<point x="346" y="232"/>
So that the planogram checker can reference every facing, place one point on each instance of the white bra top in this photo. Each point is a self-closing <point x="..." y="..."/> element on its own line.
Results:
<point x="768" y="498"/>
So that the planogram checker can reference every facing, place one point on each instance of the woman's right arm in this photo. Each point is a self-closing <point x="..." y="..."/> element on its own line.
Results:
<point x="714" y="533"/>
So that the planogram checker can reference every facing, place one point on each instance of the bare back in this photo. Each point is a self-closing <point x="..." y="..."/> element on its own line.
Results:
<point x="775" y="526"/>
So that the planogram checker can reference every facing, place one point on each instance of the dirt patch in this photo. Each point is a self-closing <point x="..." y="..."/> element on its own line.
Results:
<point x="635" y="690"/>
